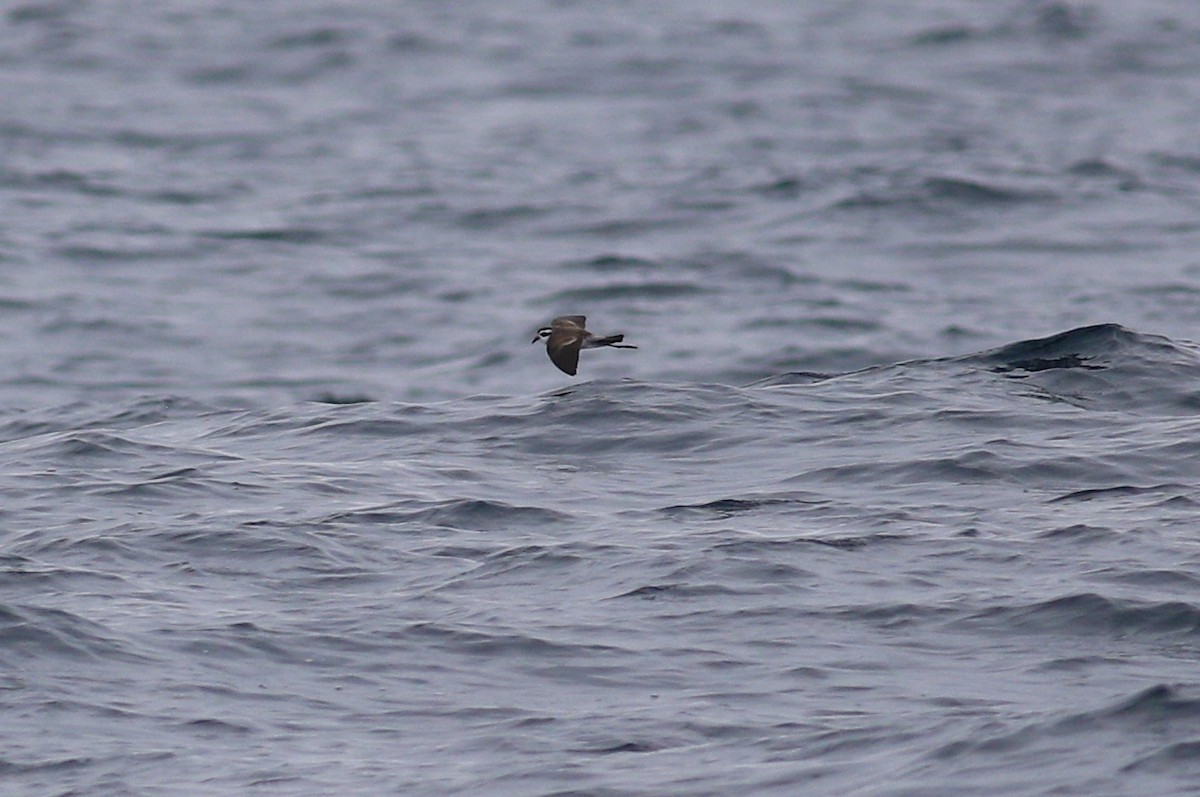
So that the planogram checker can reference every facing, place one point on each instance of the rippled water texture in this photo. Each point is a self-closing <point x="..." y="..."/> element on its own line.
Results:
<point x="897" y="496"/>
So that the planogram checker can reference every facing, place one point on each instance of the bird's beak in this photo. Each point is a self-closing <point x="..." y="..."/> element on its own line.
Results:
<point x="536" y="338"/>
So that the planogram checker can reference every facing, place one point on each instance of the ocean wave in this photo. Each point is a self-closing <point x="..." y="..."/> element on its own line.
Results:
<point x="1091" y="613"/>
<point x="29" y="632"/>
<point x="463" y="513"/>
<point x="1101" y="367"/>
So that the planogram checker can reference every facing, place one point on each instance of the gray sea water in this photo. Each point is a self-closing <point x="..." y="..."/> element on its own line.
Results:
<point x="897" y="496"/>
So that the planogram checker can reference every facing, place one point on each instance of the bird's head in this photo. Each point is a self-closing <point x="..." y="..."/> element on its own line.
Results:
<point x="542" y="334"/>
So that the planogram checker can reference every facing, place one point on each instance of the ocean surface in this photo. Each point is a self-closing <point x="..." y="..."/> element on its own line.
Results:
<point x="898" y="496"/>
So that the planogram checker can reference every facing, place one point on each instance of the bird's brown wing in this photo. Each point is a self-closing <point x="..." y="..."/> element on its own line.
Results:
<point x="569" y="322"/>
<point x="563" y="348"/>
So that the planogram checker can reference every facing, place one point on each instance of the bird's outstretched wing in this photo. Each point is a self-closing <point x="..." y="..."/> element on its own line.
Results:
<point x="569" y="321"/>
<point x="563" y="347"/>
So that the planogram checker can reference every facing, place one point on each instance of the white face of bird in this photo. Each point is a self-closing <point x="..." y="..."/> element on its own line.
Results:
<point x="542" y="334"/>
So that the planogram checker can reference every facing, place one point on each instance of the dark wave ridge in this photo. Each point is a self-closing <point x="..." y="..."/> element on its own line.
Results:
<point x="1100" y="367"/>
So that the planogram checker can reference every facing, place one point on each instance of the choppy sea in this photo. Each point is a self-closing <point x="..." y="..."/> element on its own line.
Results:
<point x="899" y="494"/>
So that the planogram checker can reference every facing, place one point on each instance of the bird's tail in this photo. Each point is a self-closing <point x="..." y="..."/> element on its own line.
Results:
<point x="615" y="342"/>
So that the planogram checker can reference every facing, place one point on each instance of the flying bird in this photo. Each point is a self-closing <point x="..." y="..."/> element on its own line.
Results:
<point x="566" y="336"/>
